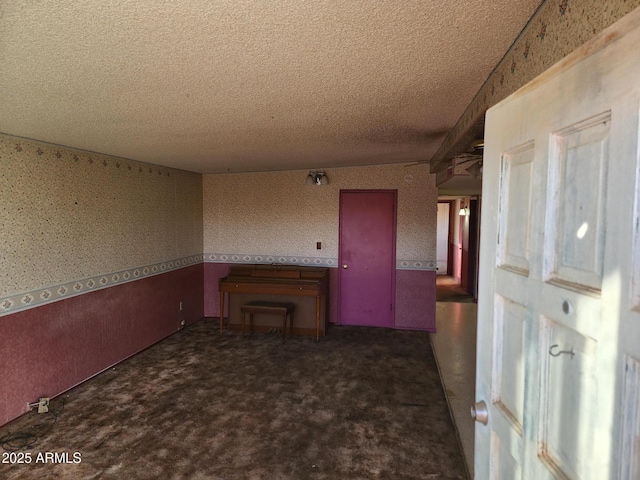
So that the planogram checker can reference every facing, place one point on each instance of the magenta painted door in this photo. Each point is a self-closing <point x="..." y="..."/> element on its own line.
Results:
<point x="367" y="257"/>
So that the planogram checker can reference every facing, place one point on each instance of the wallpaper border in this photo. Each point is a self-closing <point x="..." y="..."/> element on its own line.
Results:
<point x="305" y="261"/>
<point x="49" y="294"/>
<point x="42" y="296"/>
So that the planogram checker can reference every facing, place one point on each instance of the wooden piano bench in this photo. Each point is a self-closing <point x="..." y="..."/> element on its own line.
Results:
<point x="269" y="308"/>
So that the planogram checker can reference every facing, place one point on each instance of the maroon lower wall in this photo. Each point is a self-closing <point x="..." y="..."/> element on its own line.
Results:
<point x="464" y="270"/>
<point x="212" y="273"/>
<point x="415" y="296"/>
<point x="416" y="300"/>
<point x="45" y="351"/>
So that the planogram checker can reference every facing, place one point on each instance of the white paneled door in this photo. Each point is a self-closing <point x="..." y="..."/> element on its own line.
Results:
<point x="558" y="365"/>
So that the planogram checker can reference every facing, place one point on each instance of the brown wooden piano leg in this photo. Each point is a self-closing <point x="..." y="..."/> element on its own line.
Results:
<point x="317" y="318"/>
<point x="284" y="326"/>
<point x="291" y="325"/>
<point x="221" y="310"/>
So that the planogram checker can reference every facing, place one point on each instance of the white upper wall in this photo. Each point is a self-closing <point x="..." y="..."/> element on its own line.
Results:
<point x="69" y="215"/>
<point x="276" y="213"/>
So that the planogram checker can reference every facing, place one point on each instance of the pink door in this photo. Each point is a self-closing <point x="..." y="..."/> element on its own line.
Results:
<point x="367" y="257"/>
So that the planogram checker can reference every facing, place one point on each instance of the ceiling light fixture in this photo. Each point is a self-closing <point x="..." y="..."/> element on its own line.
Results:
<point x="475" y="170"/>
<point x="477" y="145"/>
<point x="317" y="178"/>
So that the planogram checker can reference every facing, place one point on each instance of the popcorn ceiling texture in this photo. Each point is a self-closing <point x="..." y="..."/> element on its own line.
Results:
<point x="67" y="215"/>
<point x="245" y="85"/>
<point x="240" y="85"/>
<point x="276" y="213"/>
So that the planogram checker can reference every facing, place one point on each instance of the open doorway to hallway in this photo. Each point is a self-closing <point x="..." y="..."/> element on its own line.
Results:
<point x="458" y="230"/>
<point x="454" y="343"/>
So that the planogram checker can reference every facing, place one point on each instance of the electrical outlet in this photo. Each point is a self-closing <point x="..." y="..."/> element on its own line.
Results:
<point x="180" y="306"/>
<point x="43" y="405"/>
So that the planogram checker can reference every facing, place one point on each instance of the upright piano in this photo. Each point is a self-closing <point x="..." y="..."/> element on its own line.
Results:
<point x="279" y="280"/>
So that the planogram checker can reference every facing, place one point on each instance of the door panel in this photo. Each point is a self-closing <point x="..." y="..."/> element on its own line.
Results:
<point x="503" y="464"/>
<point x="558" y="318"/>
<point x="630" y="409"/>
<point x="508" y="365"/>
<point x="579" y="162"/>
<point x="367" y="257"/>
<point x="568" y="399"/>
<point x="515" y="208"/>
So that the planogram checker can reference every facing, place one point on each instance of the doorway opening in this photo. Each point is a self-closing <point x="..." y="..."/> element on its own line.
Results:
<point x="454" y="344"/>
<point x="457" y="248"/>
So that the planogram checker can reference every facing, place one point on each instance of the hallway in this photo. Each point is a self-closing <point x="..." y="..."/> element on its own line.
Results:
<point x="454" y="346"/>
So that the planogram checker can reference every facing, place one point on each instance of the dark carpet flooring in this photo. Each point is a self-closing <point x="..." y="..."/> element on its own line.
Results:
<point x="452" y="293"/>
<point x="363" y="403"/>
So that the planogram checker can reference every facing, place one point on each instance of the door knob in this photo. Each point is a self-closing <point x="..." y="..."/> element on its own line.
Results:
<point x="345" y="266"/>
<point x="479" y="412"/>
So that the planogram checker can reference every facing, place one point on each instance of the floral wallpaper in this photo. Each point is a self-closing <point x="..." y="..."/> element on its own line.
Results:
<point x="556" y="30"/>
<point x="275" y="217"/>
<point x="73" y="221"/>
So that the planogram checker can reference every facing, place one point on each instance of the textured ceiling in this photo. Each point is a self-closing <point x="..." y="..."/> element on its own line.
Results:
<point x="230" y="85"/>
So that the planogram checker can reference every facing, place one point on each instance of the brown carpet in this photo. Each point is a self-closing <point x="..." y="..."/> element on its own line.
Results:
<point x="363" y="403"/>
<point x="446" y="291"/>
